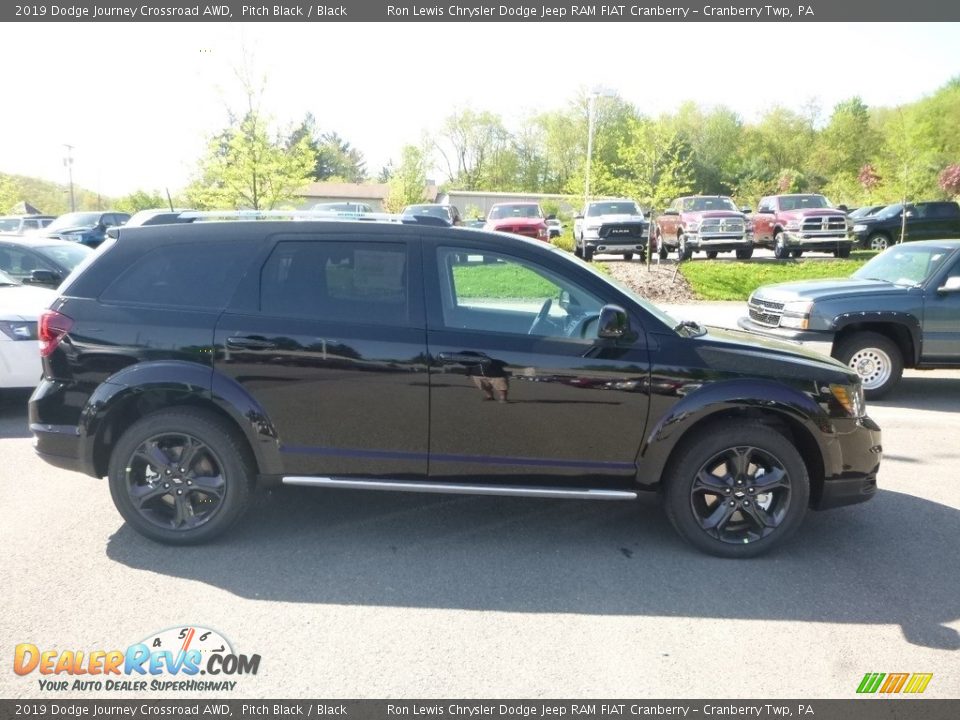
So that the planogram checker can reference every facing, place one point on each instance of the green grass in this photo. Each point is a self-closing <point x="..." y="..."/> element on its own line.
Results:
<point x="736" y="280"/>
<point x="500" y="281"/>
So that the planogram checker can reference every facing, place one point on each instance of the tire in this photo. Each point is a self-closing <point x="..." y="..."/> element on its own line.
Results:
<point x="577" y="251"/>
<point x="684" y="252"/>
<point x="149" y="453"/>
<point x="875" y="358"/>
<point x="744" y="253"/>
<point x="780" y="250"/>
<point x="587" y="253"/>
<point x="797" y="254"/>
<point x="878" y="242"/>
<point x="628" y="256"/>
<point x="662" y="250"/>
<point x="843" y="252"/>
<point x="712" y="254"/>
<point x="750" y="527"/>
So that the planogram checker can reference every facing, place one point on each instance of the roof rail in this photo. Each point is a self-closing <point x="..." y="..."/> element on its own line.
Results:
<point x="290" y="214"/>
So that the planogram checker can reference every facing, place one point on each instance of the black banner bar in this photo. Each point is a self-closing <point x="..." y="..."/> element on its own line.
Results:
<point x="872" y="708"/>
<point x="777" y="11"/>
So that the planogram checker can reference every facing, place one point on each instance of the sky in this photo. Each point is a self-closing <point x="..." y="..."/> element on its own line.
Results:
<point x="138" y="100"/>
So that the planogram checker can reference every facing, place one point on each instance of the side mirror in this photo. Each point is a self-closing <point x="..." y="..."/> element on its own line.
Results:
<point x="842" y="207"/>
<point x="45" y="277"/>
<point x="952" y="285"/>
<point x="746" y="210"/>
<point x="910" y="213"/>
<point x="551" y="217"/>
<point x="613" y="323"/>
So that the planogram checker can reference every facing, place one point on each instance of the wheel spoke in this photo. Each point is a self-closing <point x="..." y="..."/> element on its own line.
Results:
<point x="189" y="454"/>
<point x="738" y="462"/>
<point x="710" y="483"/>
<point x="770" y="480"/>
<point x="719" y="517"/>
<point x="759" y="516"/>
<point x="183" y="511"/>
<point x="209" y="484"/>
<point x="143" y="494"/>
<point x="151" y="453"/>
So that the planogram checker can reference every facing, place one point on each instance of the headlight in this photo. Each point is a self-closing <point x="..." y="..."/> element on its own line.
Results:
<point x="592" y="228"/>
<point x="693" y="226"/>
<point x="73" y="237"/>
<point x="796" y="315"/>
<point x="859" y="227"/>
<point x="792" y="225"/>
<point x="849" y="399"/>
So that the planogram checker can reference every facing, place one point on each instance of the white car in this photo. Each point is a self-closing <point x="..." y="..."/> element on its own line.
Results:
<point x="20" y="309"/>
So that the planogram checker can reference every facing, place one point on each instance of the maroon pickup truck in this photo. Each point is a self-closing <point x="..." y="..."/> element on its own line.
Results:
<point x="791" y="224"/>
<point x="711" y="223"/>
<point x="519" y="218"/>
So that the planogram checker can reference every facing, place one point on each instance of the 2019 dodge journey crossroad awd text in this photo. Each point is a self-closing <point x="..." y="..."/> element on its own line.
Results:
<point x="190" y="363"/>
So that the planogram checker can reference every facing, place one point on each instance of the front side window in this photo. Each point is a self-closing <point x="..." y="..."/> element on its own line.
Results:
<point x="492" y="292"/>
<point x="20" y="264"/>
<point x="360" y="282"/>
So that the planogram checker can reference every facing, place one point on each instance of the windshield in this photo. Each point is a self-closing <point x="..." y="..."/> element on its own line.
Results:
<point x="9" y="224"/>
<point x="6" y="279"/>
<point x="889" y="211"/>
<point x="701" y="204"/>
<point x="802" y="202"/>
<point x="78" y="219"/>
<point x="862" y="212"/>
<point x="434" y="210"/>
<point x="904" y="264"/>
<point x="66" y="256"/>
<point x="613" y="208"/>
<point x="525" y="210"/>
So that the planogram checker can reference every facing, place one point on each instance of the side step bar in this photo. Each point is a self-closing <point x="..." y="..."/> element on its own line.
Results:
<point x="459" y="489"/>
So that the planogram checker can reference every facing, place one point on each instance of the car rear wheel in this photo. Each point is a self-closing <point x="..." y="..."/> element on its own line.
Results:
<point x="181" y="477"/>
<point x="684" y="251"/>
<point x="588" y="253"/>
<point x="878" y="242"/>
<point x="796" y="254"/>
<point x="712" y="254"/>
<point x="628" y="256"/>
<point x="662" y="251"/>
<point x="744" y="253"/>
<point x="875" y="358"/>
<point x="737" y="491"/>
<point x="842" y="252"/>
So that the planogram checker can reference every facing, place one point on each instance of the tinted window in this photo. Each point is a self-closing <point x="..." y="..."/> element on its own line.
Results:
<point x="67" y="256"/>
<point x="359" y="282"/>
<point x="19" y="264"/>
<point x="183" y="275"/>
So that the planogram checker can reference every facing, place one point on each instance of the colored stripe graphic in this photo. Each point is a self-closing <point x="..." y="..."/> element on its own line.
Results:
<point x="918" y="683"/>
<point x="894" y="683"/>
<point x="870" y="682"/>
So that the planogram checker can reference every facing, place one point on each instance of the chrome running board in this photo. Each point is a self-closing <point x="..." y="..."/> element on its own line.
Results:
<point x="459" y="489"/>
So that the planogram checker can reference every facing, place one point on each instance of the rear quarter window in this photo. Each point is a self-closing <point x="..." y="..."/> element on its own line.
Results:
<point x="188" y="275"/>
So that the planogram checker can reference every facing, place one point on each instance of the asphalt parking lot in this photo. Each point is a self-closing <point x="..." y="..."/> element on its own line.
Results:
<point x="350" y="594"/>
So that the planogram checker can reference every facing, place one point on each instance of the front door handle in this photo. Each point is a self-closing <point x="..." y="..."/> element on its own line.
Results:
<point x="463" y="358"/>
<point x="249" y="343"/>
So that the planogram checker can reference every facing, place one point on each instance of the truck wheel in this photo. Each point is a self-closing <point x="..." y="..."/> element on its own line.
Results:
<point x="796" y="254"/>
<point x="684" y="251"/>
<point x="628" y="256"/>
<point x="181" y="477"/>
<point x="780" y="250"/>
<point x="577" y="250"/>
<point x="875" y="358"/>
<point x="744" y="253"/>
<point x="663" y="252"/>
<point x="712" y="254"/>
<point x="737" y="491"/>
<point x="588" y="253"/>
<point x="878" y="242"/>
<point x="842" y="252"/>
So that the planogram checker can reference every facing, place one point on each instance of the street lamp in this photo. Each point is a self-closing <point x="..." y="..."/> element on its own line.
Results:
<point x="598" y="91"/>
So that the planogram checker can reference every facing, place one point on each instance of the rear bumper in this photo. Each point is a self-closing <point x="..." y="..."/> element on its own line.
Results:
<point x="57" y="440"/>
<point x="856" y="463"/>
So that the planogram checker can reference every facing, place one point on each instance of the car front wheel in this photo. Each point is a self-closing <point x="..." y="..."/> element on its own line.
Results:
<point x="737" y="491"/>
<point x="878" y="242"/>
<point x="181" y="477"/>
<point x="780" y="249"/>
<point x="875" y="358"/>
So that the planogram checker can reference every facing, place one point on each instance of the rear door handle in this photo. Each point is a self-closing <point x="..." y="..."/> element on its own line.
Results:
<point x="250" y="343"/>
<point x="452" y="358"/>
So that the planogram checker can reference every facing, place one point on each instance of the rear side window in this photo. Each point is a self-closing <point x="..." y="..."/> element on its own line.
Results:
<point x="201" y="276"/>
<point x="361" y="282"/>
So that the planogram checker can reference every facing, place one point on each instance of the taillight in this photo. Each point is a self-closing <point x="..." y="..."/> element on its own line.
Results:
<point x="53" y="326"/>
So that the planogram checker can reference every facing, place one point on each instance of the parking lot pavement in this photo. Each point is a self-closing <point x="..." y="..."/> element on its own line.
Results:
<point x="350" y="594"/>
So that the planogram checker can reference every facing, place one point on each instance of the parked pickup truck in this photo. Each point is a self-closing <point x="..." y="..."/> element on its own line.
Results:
<point x="901" y="309"/>
<point x="711" y="223"/>
<point x="611" y="226"/>
<point x="925" y="221"/>
<point x="792" y="224"/>
<point x="519" y="218"/>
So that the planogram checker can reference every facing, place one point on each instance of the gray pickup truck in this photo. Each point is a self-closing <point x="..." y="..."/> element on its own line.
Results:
<point x="901" y="309"/>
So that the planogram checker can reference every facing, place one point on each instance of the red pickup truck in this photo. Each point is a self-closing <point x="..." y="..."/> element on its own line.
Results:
<point x="518" y="218"/>
<point x="711" y="223"/>
<point x="791" y="224"/>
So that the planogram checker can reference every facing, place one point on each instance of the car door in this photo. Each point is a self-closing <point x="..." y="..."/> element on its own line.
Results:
<point x="521" y="390"/>
<point x="941" y="317"/>
<point x="329" y="338"/>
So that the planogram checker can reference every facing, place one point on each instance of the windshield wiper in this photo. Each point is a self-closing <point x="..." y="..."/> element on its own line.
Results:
<point x="690" y="328"/>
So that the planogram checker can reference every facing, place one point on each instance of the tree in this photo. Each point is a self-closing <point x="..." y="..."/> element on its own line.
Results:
<point x="141" y="200"/>
<point x="469" y="143"/>
<point x="409" y="181"/>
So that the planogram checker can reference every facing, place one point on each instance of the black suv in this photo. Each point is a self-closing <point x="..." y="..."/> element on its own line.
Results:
<point x="189" y="363"/>
<point x="925" y="221"/>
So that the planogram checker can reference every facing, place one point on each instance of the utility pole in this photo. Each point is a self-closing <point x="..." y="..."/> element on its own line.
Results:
<point x="68" y="162"/>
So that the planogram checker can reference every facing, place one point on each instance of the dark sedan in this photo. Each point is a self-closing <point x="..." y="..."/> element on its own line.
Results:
<point x="40" y="261"/>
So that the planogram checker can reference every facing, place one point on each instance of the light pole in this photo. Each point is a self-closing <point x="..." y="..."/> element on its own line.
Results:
<point x="68" y="161"/>
<point x="596" y="92"/>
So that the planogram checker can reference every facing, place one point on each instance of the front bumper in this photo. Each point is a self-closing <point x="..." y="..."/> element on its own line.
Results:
<point x="851" y="477"/>
<point x="719" y="243"/>
<point x="799" y="241"/>
<point x="616" y="245"/>
<point x="816" y="340"/>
